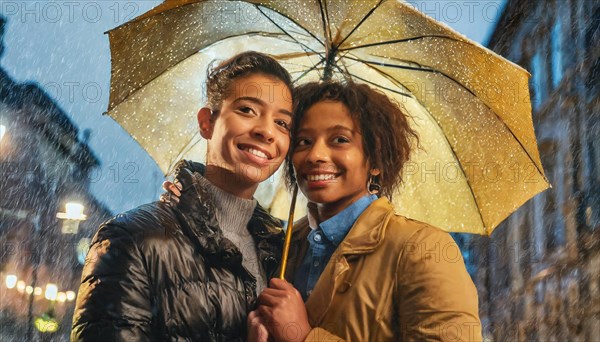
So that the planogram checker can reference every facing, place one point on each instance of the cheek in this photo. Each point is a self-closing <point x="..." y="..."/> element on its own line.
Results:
<point x="359" y="167"/>
<point x="284" y="144"/>
<point x="219" y="135"/>
<point x="232" y="125"/>
<point x="362" y="181"/>
<point x="297" y="161"/>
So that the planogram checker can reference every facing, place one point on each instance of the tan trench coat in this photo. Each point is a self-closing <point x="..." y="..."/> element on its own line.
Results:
<point x="391" y="278"/>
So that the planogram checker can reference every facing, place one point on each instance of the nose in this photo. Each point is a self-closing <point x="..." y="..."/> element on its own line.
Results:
<point x="265" y="131"/>
<point x="318" y="152"/>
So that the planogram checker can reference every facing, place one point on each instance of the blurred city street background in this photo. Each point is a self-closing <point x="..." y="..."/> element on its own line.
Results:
<point x="66" y="167"/>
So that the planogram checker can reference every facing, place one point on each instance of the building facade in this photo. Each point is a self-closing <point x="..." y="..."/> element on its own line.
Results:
<point x="538" y="276"/>
<point x="44" y="165"/>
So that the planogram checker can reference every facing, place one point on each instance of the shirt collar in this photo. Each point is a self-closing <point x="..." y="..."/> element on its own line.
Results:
<point x="337" y="227"/>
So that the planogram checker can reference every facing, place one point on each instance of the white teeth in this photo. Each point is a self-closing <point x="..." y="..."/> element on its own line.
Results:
<point x="258" y="153"/>
<point x="315" y="178"/>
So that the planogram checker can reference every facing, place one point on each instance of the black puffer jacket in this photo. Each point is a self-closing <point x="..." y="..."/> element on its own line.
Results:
<point x="165" y="272"/>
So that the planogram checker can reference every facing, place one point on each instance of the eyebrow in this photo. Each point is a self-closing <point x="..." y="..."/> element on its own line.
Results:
<point x="330" y="129"/>
<point x="260" y="102"/>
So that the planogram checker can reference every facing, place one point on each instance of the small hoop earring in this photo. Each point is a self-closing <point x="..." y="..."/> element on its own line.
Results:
<point x="373" y="186"/>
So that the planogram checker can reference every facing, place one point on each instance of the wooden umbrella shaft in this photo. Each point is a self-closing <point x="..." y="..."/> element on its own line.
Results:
<point x="288" y="234"/>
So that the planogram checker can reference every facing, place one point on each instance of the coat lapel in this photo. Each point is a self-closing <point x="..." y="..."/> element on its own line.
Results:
<point x="320" y="299"/>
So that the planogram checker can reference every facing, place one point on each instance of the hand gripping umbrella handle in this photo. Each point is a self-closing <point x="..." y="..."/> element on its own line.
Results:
<point x="288" y="234"/>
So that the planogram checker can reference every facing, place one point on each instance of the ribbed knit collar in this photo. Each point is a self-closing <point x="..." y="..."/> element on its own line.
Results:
<point x="198" y="214"/>
<point x="225" y="204"/>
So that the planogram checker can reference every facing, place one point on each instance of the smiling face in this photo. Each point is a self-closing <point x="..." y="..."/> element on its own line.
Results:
<point x="329" y="160"/>
<point x="249" y="138"/>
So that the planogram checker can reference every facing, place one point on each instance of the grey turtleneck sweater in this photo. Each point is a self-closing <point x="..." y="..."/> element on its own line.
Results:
<point x="233" y="214"/>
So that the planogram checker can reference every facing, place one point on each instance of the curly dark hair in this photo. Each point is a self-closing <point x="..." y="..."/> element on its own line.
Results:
<point x="386" y="134"/>
<point x="220" y="77"/>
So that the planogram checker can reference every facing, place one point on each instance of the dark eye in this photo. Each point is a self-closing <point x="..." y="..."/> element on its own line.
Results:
<point x="283" y="124"/>
<point x="341" y="140"/>
<point x="302" y="142"/>
<point x="247" y="110"/>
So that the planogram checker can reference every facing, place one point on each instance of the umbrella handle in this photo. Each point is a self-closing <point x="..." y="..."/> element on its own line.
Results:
<point x="288" y="234"/>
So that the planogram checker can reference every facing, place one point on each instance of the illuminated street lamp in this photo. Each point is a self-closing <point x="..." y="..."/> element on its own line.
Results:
<point x="74" y="211"/>
<point x="21" y="286"/>
<point x="11" y="281"/>
<point x="70" y="295"/>
<point x="71" y="217"/>
<point x="51" y="291"/>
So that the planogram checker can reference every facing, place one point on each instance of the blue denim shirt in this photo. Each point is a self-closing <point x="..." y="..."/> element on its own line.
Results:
<point x="323" y="241"/>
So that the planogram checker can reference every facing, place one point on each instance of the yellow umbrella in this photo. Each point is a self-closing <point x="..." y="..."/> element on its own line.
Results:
<point x="471" y="107"/>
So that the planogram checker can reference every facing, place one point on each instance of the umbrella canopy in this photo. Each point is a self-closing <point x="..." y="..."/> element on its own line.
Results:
<point x="479" y="159"/>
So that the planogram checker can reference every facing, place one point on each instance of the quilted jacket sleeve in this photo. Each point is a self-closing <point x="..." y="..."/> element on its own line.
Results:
<point x="438" y="298"/>
<point x="113" y="303"/>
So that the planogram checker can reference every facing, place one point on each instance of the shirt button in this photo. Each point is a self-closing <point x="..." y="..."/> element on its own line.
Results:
<point x="316" y="263"/>
<point x="317" y="237"/>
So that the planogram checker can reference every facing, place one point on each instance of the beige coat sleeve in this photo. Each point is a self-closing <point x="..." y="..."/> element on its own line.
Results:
<point x="436" y="298"/>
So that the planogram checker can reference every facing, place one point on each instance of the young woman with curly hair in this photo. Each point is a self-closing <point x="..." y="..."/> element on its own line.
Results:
<point x="366" y="273"/>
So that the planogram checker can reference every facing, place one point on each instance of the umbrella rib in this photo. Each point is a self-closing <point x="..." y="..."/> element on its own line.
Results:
<point x="304" y="46"/>
<point x="361" y="22"/>
<point x="382" y="87"/>
<point x="347" y="72"/>
<point x="284" y="31"/>
<point x="415" y="69"/>
<point x="330" y="50"/>
<point x="399" y="66"/>
<point x="388" y="42"/>
<point x="325" y="20"/>
<point x="309" y="70"/>
<point x="377" y="70"/>
<point x="459" y="165"/>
